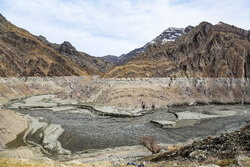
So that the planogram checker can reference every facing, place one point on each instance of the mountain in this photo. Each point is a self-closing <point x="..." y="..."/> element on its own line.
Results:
<point x="93" y="65"/>
<point x="170" y="34"/>
<point x="111" y="59"/>
<point x="22" y="54"/>
<point x="207" y="50"/>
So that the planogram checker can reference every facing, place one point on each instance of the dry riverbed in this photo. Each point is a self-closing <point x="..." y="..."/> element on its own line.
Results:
<point x="103" y="127"/>
<point x="65" y="127"/>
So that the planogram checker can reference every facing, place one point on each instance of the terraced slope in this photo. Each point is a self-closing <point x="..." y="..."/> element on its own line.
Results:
<point x="207" y="50"/>
<point x="22" y="54"/>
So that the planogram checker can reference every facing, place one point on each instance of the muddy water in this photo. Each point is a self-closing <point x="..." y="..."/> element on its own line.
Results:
<point x="85" y="130"/>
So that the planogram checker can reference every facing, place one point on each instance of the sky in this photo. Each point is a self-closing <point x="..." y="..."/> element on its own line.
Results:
<point x="115" y="27"/>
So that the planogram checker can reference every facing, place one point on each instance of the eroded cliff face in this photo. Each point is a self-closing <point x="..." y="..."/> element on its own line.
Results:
<point x="132" y="93"/>
<point x="12" y="88"/>
<point x="162" y="92"/>
<point x="207" y="50"/>
<point x="21" y="54"/>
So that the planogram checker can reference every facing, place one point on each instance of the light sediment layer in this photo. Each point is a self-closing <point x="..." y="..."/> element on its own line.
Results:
<point x="11" y="124"/>
<point x="161" y="92"/>
<point x="12" y="88"/>
<point x="124" y="94"/>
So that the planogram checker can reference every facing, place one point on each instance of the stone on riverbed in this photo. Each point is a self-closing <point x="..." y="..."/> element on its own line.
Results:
<point x="193" y="115"/>
<point x="164" y="124"/>
<point x="184" y="119"/>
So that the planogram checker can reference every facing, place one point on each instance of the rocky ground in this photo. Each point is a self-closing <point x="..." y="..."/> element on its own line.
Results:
<point x="228" y="149"/>
<point x="225" y="146"/>
<point x="105" y="101"/>
<point x="71" y="121"/>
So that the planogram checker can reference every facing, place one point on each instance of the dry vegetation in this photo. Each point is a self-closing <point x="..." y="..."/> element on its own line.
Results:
<point x="150" y="144"/>
<point x="21" y="54"/>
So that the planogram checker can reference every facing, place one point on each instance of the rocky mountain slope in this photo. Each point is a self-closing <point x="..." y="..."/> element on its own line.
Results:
<point x="21" y="54"/>
<point x="170" y="34"/>
<point x="93" y="65"/>
<point x="111" y="59"/>
<point x="207" y="50"/>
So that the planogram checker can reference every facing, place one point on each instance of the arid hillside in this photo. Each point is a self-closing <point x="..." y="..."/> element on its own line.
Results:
<point x="207" y="50"/>
<point x="22" y="54"/>
<point x="93" y="65"/>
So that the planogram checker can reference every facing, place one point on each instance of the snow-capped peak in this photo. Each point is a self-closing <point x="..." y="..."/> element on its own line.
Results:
<point x="170" y="34"/>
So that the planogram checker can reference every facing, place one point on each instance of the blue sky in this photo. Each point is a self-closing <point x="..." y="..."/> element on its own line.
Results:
<point x="102" y="27"/>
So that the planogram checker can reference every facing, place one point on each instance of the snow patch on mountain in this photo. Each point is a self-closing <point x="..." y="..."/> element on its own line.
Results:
<point x="170" y="34"/>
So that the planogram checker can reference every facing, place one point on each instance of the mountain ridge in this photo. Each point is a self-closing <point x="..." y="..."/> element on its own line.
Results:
<point x="21" y="54"/>
<point x="207" y="50"/>
<point x="93" y="65"/>
<point x="168" y="35"/>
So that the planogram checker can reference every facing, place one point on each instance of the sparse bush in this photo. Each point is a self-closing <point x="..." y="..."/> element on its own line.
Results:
<point x="209" y="137"/>
<point x="175" y="147"/>
<point x="150" y="144"/>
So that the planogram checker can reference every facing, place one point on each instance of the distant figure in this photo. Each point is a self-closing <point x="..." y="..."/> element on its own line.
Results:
<point x="153" y="107"/>
<point x="171" y="80"/>
<point x="143" y="105"/>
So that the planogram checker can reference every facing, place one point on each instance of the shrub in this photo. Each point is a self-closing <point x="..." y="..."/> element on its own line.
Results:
<point x="209" y="137"/>
<point x="150" y="144"/>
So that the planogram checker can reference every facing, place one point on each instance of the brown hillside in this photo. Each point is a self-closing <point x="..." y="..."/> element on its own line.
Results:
<point x="92" y="65"/>
<point x="207" y="50"/>
<point x="21" y="54"/>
